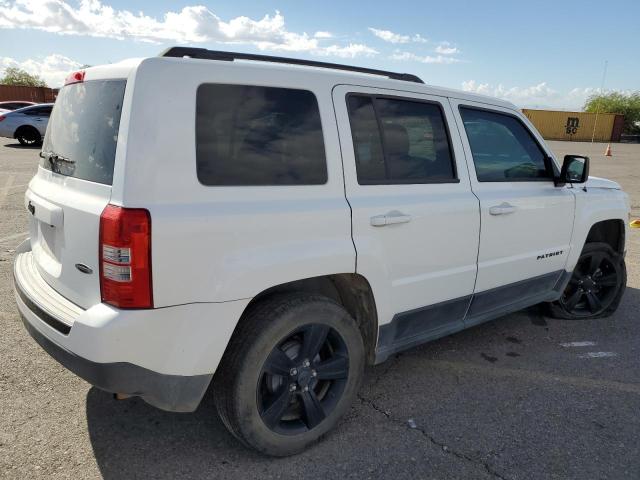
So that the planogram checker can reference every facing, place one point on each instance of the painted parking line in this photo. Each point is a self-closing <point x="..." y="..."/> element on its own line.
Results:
<point x="598" y="355"/>
<point x="578" y="344"/>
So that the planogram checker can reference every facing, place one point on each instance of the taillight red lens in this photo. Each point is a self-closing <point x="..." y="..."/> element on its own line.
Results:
<point x="2" y="117"/>
<point x="125" y="257"/>
<point x="75" y="77"/>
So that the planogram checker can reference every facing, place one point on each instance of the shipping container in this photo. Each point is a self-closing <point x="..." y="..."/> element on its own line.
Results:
<point x="575" y="126"/>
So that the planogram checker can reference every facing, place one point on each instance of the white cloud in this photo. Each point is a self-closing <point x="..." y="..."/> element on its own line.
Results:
<point x="519" y="95"/>
<point x="583" y="92"/>
<point x="52" y="68"/>
<point x="540" y="95"/>
<point x="481" y="88"/>
<point x="408" y="56"/>
<point x="192" y="24"/>
<point x="350" y="51"/>
<point x="322" y="34"/>
<point x="445" y="48"/>
<point x="389" y="36"/>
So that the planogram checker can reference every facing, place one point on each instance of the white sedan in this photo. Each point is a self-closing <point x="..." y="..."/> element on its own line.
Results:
<point x="27" y="125"/>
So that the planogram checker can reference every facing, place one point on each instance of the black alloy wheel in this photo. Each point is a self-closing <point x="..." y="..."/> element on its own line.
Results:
<point x="28" y="136"/>
<point x="292" y="369"/>
<point x="596" y="286"/>
<point x="303" y="379"/>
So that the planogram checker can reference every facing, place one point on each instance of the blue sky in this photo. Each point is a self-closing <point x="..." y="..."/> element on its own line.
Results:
<point x="544" y="53"/>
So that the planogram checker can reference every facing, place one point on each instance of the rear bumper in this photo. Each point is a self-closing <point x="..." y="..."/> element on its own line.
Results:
<point x="166" y="356"/>
<point x="173" y="393"/>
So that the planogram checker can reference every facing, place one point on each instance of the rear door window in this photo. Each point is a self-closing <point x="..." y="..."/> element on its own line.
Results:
<point x="39" y="112"/>
<point x="82" y="133"/>
<point x="252" y="136"/>
<point x="399" y="141"/>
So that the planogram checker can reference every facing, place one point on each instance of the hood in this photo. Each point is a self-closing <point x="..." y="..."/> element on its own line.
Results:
<point x="597" y="182"/>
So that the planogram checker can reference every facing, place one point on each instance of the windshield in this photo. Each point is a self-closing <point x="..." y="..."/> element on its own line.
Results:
<point x="83" y="130"/>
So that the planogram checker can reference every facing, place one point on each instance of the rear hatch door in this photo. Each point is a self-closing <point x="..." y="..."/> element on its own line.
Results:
<point x="73" y="186"/>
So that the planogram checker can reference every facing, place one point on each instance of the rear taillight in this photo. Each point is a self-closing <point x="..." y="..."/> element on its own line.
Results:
<point x="2" y="117"/>
<point x="125" y="257"/>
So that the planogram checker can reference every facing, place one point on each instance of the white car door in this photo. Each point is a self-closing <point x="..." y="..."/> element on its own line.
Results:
<point x="415" y="219"/>
<point x="526" y="221"/>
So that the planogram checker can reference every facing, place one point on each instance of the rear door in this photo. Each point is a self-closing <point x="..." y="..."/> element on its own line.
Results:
<point x="526" y="221"/>
<point x="73" y="185"/>
<point x="415" y="219"/>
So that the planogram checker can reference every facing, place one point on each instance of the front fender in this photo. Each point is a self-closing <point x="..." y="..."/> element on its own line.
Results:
<point x="593" y="206"/>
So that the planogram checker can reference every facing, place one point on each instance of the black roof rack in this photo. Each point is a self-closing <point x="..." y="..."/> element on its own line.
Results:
<point x="204" y="54"/>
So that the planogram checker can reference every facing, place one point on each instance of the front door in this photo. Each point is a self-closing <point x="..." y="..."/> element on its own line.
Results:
<point x="415" y="219"/>
<point x="526" y="221"/>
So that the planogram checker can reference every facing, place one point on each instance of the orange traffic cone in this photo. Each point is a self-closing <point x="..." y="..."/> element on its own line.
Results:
<point x="607" y="152"/>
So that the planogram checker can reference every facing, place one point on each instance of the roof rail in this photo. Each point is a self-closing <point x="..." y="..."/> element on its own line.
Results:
<point x="205" y="54"/>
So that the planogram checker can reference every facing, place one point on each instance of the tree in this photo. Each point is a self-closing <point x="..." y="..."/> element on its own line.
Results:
<point x="627" y="104"/>
<point x="21" y="78"/>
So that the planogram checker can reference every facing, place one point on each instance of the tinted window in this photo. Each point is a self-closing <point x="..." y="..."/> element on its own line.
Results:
<point x="36" y="112"/>
<point x="502" y="147"/>
<point x="367" y="143"/>
<point x="247" y="135"/>
<point x="40" y="111"/>
<point x="399" y="141"/>
<point x="13" y="106"/>
<point x="83" y="129"/>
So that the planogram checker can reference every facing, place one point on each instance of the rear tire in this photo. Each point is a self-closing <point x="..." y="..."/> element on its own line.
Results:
<point x="291" y="370"/>
<point x="28" y="136"/>
<point x="596" y="286"/>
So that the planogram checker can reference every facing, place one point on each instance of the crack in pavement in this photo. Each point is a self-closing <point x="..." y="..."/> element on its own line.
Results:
<point x="460" y="455"/>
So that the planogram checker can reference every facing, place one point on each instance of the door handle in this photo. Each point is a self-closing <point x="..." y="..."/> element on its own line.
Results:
<point x="503" y="209"/>
<point x="390" y="218"/>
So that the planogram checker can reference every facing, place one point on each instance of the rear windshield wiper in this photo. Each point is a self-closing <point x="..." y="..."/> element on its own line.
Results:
<point x="54" y="158"/>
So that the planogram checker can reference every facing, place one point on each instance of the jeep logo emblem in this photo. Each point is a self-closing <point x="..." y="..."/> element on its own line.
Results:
<point x="83" y="268"/>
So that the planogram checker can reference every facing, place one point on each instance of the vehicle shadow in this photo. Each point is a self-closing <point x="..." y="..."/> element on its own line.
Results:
<point x="19" y="146"/>
<point x="131" y="439"/>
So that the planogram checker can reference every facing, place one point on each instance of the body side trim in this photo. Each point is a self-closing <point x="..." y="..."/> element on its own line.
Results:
<point x="496" y="299"/>
<point x="412" y="328"/>
<point x="421" y="325"/>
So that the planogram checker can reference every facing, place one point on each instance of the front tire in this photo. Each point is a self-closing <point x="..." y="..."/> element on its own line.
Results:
<point x="596" y="286"/>
<point x="290" y="372"/>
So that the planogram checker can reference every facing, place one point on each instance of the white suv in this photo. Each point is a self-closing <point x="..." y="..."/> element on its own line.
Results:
<point x="212" y="218"/>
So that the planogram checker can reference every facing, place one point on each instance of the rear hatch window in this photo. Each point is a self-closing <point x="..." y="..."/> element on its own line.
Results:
<point x="82" y="133"/>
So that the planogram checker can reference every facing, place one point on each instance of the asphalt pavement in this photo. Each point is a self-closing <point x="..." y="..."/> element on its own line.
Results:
<point x="521" y="397"/>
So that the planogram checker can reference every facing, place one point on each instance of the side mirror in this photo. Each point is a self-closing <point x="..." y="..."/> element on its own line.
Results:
<point x="575" y="169"/>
